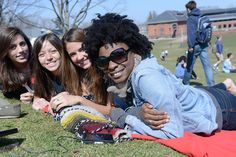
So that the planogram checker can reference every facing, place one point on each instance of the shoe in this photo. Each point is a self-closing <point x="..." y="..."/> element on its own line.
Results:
<point x="8" y="110"/>
<point x="71" y="116"/>
<point x="215" y="68"/>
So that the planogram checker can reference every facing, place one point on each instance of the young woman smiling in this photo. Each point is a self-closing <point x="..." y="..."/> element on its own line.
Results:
<point x="15" y="68"/>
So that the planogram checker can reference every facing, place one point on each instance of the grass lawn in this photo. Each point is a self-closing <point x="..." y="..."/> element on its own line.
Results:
<point x="41" y="136"/>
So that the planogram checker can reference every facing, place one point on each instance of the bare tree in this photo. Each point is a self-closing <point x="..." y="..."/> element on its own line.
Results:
<point x="12" y="11"/>
<point x="71" y="13"/>
<point x="68" y="13"/>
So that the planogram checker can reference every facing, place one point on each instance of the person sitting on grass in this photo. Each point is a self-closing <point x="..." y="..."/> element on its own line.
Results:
<point x="227" y="65"/>
<point x="115" y="45"/>
<point x="15" y="64"/>
<point x="181" y="67"/>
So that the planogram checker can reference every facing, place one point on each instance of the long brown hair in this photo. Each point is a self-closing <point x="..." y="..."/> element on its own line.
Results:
<point x="73" y="76"/>
<point x="43" y="86"/>
<point x="11" y="78"/>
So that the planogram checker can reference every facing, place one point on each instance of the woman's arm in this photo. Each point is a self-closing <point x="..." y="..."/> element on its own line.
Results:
<point x="65" y="99"/>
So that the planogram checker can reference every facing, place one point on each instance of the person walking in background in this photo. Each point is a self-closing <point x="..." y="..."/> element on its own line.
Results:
<point x="227" y="66"/>
<point x="219" y="53"/>
<point x="196" y="49"/>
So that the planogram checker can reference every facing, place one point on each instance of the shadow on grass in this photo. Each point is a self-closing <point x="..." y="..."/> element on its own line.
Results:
<point x="7" y="144"/>
<point x="195" y="83"/>
<point x="22" y="115"/>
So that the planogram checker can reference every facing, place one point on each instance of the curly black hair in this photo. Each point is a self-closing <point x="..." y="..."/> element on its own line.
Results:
<point x="112" y="28"/>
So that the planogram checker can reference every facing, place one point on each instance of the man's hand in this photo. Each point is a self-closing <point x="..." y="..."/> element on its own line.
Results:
<point x="190" y="50"/>
<point x="152" y="117"/>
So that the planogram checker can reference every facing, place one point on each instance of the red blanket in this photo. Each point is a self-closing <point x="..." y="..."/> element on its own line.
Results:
<point x="221" y="144"/>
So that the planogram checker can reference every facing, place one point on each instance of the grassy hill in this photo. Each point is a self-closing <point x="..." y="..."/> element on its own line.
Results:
<point x="41" y="136"/>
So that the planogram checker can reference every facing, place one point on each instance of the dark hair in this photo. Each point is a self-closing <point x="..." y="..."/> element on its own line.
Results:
<point x="112" y="28"/>
<point x="73" y="76"/>
<point x="43" y="78"/>
<point x="10" y="76"/>
<point x="229" y="55"/>
<point x="191" y="5"/>
<point x="180" y="59"/>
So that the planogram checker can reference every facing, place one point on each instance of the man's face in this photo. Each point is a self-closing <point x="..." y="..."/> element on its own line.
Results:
<point x="116" y="61"/>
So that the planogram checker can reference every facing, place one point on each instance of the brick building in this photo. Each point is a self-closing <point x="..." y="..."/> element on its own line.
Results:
<point x="171" y="24"/>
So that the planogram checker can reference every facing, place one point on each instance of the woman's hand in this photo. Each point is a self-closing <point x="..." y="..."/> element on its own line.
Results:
<point x="64" y="99"/>
<point x="26" y="97"/>
<point x="152" y="117"/>
<point x="39" y="103"/>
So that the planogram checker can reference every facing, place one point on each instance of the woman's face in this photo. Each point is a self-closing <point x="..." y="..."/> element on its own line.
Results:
<point x="117" y="60"/>
<point x="78" y="57"/>
<point x="18" y="51"/>
<point x="49" y="57"/>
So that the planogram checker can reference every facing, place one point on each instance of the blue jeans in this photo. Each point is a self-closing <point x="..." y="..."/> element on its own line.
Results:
<point x="227" y="104"/>
<point x="202" y="52"/>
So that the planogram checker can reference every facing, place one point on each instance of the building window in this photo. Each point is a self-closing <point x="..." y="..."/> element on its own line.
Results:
<point x="219" y="26"/>
<point x="224" y="26"/>
<point x="229" y="26"/>
<point x="162" y="31"/>
<point x="234" y="24"/>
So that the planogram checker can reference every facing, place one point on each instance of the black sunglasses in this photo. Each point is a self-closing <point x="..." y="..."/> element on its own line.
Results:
<point x="117" y="56"/>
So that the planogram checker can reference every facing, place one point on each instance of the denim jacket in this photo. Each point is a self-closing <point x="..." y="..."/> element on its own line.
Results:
<point x="190" y="109"/>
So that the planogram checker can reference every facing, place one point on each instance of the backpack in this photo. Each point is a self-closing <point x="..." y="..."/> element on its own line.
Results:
<point x="204" y="30"/>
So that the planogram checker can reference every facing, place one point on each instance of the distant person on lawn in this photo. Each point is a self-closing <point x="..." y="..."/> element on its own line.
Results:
<point x="116" y="47"/>
<point x="15" y="64"/>
<point x="219" y="52"/>
<point x="181" y="67"/>
<point x="227" y="65"/>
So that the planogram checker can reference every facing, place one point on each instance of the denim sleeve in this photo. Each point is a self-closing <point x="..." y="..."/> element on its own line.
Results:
<point x="155" y="87"/>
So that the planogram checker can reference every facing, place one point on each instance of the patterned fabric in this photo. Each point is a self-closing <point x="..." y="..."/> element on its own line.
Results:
<point x="70" y="116"/>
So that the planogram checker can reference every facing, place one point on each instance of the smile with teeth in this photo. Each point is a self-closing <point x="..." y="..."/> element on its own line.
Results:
<point x="51" y="63"/>
<point x="116" y="74"/>
<point x="21" y="56"/>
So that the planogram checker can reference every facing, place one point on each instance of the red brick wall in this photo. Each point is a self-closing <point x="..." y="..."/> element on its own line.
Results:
<point x="165" y="30"/>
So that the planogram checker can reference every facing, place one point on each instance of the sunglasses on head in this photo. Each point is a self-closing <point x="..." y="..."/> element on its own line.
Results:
<point x="117" y="56"/>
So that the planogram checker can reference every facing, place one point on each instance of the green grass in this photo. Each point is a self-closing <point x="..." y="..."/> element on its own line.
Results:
<point x="175" y="50"/>
<point x="41" y="136"/>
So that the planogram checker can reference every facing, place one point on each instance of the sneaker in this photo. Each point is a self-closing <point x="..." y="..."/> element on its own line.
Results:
<point x="71" y="116"/>
<point x="8" y="110"/>
<point x="215" y="68"/>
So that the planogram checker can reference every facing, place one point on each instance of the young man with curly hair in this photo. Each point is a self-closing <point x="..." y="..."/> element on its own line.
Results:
<point x="116" y="47"/>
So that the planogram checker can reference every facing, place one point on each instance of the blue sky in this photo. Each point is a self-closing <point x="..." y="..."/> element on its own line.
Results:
<point x="138" y="10"/>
